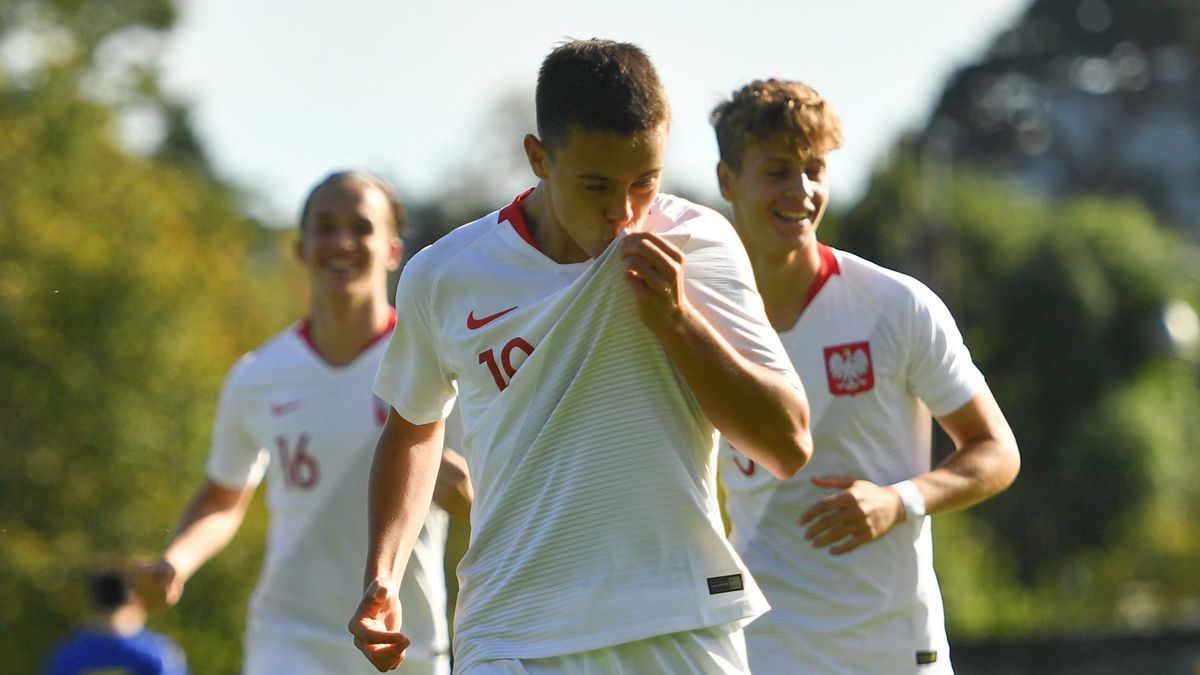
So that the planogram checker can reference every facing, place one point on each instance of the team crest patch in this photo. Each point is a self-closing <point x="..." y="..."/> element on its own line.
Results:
<point x="849" y="369"/>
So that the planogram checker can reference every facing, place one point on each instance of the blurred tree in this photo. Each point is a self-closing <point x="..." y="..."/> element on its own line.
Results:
<point x="1061" y="305"/>
<point x="494" y="168"/>
<point x="129" y="282"/>
<point x="1085" y="97"/>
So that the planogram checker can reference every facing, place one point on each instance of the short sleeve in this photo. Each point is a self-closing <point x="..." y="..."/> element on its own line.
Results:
<point x="454" y="433"/>
<point x="412" y="376"/>
<point x="720" y="284"/>
<point x="941" y="372"/>
<point x="235" y="460"/>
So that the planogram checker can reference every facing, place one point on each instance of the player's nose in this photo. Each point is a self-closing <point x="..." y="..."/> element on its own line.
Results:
<point x="619" y="211"/>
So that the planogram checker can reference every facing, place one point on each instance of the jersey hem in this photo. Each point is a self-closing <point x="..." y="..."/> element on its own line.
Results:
<point x="588" y="643"/>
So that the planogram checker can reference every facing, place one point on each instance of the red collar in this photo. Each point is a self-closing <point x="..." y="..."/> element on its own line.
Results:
<point x="829" y="267"/>
<point x="512" y="213"/>
<point x="305" y="332"/>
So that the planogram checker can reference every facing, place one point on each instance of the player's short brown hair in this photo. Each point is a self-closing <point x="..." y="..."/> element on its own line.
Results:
<point x="775" y="110"/>
<point x="399" y="213"/>
<point x="599" y="85"/>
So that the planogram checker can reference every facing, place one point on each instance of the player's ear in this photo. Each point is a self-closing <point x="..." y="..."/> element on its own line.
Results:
<point x="539" y="157"/>
<point x="395" y="254"/>
<point x="299" y="249"/>
<point x="725" y="179"/>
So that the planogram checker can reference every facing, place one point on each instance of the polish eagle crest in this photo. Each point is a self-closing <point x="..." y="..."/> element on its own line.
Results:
<point x="848" y="368"/>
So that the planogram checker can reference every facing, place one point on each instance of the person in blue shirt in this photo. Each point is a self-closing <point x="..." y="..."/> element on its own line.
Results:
<point x="117" y="641"/>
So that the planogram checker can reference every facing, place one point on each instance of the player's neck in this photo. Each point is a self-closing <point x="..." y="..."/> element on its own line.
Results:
<point x="341" y="328"/>
<point x="784" y="282"/>
<point x="551" y="238"/>
<point x="125" y="621"/>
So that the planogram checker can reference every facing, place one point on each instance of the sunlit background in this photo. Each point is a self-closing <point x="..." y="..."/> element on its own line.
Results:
<point x="1036" y="163"/>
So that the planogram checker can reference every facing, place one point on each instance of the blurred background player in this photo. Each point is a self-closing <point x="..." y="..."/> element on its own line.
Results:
<point x="843" y="550"/>
<point x="116" y="641"/>
<point x="301" y="410"/>
<point x="594" y="332"/>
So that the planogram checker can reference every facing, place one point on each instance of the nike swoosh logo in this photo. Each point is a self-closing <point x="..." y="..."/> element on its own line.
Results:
<point x="473" y="323"/>
<point x="281" y="409"/>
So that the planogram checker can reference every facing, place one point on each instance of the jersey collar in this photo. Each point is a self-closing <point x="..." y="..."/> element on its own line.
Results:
<point x="829" y="267"/>
<point x="305" y="332"/>
<point x="512" y="213"/>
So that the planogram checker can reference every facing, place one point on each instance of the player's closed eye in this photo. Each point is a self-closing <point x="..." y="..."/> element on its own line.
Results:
<point x="645" y="185"/>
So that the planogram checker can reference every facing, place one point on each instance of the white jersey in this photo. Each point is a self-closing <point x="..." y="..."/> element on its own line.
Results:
<point x="595" y="519"/>
<point x="313" y="427"/>
<point x="877" y="352"/>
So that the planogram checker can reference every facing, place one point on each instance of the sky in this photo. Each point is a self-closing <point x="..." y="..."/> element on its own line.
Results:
<point x="284" y="91"/>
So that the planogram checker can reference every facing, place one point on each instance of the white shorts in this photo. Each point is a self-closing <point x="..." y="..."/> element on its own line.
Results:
<point x="776" y="649"/>
<point x="275" y="656"/>
<point x="719" y="650"/>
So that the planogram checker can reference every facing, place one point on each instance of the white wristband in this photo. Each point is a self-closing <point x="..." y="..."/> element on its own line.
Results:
<point x="911" y="498"/>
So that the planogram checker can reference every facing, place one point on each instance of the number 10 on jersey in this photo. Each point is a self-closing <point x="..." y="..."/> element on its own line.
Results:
<point x="488" y="358"/>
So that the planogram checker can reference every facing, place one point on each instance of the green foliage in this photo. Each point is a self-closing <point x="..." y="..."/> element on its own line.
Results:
<point x="127" y="287"/>
<point x="1061" y="305"/>
<point x="88" y="22"/>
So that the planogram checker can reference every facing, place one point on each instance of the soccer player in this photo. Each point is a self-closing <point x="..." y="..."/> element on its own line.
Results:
<point x="843" y="550"/>
<point x="301" y="410"/>
<point x="594" y="332"/>
<point x="117" y="641"/>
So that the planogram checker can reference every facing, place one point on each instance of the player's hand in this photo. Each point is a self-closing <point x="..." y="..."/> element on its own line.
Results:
<point x="860" y="512"/>
<point x="376" y="627"/>
<point x="155" y="581"/>
<point x="453" y="491"/>
<point x="654" y="271"/>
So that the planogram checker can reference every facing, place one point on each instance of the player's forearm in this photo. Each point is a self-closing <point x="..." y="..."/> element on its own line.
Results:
<point x="207" y="525"/>
<point x="402" y="479"/>
<point x="985" y="462"/>
<point x="972" y="474"/>
<point x="453" y="490"/>
<point x="755" y="408"/>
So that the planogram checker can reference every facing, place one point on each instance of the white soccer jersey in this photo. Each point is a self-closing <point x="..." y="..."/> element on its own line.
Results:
<point x="313" y="427"/>
<point x="877" y="351"/>
<point x="595" y="519"/>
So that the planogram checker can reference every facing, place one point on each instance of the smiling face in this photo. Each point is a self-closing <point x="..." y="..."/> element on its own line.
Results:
<point x="597" y="184"/>
<point x="348" y="241"/>
<point x="773" y="136"/>
<point x="778" y="196"/>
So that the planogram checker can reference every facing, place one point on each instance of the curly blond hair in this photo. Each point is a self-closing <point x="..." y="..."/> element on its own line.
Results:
<point x="775" y="110"/>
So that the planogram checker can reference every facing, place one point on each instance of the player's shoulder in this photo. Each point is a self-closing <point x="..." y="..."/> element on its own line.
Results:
<point x="900" y="298"/>
<point x="156" y="652"/>
<point x="157" y="643"/>
<point x="283" y="350"/>
<point x="672" y="211"/>
<point x="449" y="249"/>
<point x="703" y="226"/>
<point x="889" y="285"/>
<point x="680" y="209"/>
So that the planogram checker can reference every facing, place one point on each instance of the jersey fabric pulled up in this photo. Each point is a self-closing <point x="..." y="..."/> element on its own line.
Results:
<point x="595" y="519"/>
<point x="877" y="352"/>
<point x="311" y="428"/>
